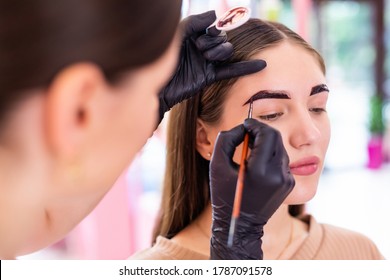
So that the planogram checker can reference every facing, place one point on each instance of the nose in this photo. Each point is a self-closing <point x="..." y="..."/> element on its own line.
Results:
<point x="305" y="132"/>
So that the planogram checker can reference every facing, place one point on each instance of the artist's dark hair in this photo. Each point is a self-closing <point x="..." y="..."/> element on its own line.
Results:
<point x="40" y="37"/>
<point x="186" y="185"/>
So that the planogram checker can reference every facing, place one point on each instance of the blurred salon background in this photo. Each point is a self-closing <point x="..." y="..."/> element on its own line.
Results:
<point x="353" y="36"/>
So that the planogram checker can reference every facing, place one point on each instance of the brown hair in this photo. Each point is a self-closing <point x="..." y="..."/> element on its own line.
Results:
<point x="186" y="186"/>
<point x="39" y="37"/>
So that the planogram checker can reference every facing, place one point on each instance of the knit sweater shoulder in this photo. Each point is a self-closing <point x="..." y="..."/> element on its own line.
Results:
<point x="324" y="242"/>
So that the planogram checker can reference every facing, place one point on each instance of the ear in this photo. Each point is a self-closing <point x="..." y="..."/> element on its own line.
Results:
<point x="70" y="99"/>
<point x="204" y="145"/>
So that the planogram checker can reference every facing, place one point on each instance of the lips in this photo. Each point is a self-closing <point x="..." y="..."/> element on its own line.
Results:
<point x="305" y="167"/>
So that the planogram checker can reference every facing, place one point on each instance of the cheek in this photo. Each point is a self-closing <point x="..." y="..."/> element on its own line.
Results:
<point x="141" y="118"/>
<point x="320" y="142"/>
<point x="131" y="121"/>
<point x="326" y="133"/>
<point x="136" y="124"/>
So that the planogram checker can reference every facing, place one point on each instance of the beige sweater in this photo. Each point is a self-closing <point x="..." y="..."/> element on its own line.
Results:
<point x="324" y="242"/>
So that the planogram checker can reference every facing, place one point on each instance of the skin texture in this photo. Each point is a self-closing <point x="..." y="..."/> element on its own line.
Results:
<point x="55" y="146"/>
<point x="305" y="131"/>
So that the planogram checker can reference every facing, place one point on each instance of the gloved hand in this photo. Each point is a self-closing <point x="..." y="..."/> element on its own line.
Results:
<point x="267" y="183"/>
<point x="198" y="62"/>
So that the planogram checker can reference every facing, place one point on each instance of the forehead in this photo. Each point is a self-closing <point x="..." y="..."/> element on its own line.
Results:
<point x="290" y="67"/>
<point x="288" y="56"/>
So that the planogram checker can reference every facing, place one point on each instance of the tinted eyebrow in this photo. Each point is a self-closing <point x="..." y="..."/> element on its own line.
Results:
<point x="267" y="94"/>
<point x="318" y="89"/>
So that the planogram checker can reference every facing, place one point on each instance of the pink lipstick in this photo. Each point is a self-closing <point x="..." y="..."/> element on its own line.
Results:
<point x="305" y="167"/>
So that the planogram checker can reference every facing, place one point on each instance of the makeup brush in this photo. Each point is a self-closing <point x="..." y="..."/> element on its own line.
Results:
<point x="240" y="184"/>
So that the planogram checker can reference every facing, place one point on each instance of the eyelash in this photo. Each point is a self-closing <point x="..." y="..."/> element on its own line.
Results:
<point x="275" y="116"/>
<point x="271" y="117"/>
<point x="317" y="110"/>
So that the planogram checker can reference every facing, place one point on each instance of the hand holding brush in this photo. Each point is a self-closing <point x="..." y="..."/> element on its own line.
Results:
<point x="267" y="182"/>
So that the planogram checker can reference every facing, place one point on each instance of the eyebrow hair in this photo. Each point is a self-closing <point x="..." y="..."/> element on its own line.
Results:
<point x="281" y="94"/>
<point x="267" y="94"/>
<point x="318" y="89"/>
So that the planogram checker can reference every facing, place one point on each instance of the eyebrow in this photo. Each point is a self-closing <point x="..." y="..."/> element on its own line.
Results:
<point x="281" y="94"/>
<point x="318" y="89"/>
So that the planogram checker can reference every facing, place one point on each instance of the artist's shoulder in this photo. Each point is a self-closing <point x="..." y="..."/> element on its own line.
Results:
<point x="348" y="244"/>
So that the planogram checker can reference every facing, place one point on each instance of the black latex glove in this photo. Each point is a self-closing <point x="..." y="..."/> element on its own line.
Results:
<point x="198" y="64"/>
<point x="267" y="183"/>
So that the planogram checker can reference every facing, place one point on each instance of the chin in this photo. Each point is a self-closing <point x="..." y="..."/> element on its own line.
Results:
<point x="304" y="190"/>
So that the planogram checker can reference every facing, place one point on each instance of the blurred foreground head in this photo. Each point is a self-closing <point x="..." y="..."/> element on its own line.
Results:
<point x="75" y="79"/>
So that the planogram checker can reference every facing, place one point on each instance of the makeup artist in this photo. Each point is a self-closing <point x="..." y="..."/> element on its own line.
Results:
<point x="80" y="87"/>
